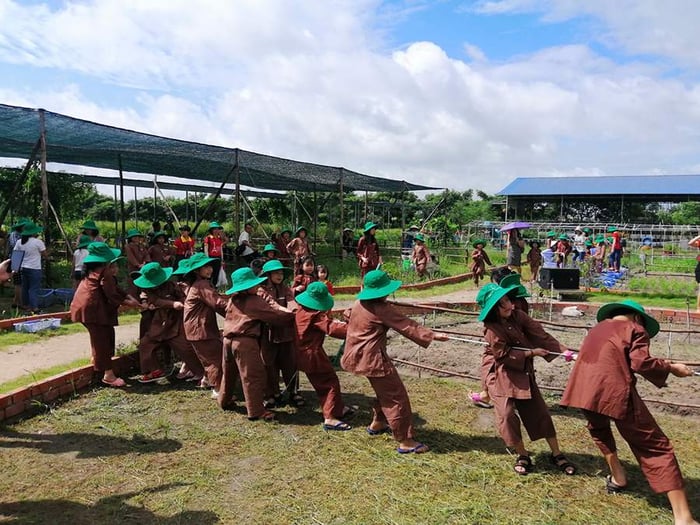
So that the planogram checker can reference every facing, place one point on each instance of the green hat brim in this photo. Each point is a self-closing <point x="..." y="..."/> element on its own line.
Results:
<point x="607" y="310"/>
<point x="130" y="235"/>
<point x="144" y="282"/>
<point x="83" y="244"/>
<point x="214" y="225"/>
<point x="116" y="253"/>
<point x="483" y="242"/>
<point x="269" y="267"/>
<point x="512" y="279"/>
<point x="309" y="302"/>
<point x="245" y="285"/>
<point x="270" y="248"/>
<point x="377" y="293"/>
<point x="89" y="225"/>
<point x="369" y="226"/>
<point x="198" y="264"/>
<point x="493" y="300"/>
<point x="300" y="228"/>
<point x="32" y="231"/>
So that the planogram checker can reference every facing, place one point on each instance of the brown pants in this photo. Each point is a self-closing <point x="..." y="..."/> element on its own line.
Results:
<point x="208" y="352"/>
<point x="327" y="387"/>
<point x="246" y="352"/>
<point x="102" y="343"/>
<point x="230" y="379"/>
<point x="392" y="405"/>
<point x="533" y="413"/>
<point x="645" y="438"/>
<point x="279" y="357"/>
<point x="178" y="344"/>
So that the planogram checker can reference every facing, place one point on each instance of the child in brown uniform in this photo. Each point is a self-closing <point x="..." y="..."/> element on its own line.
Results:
<point x="313" y="324"/>
<point x="245" y="314"/>
<point x="365" y="354"/>
<point x="95" y="305"/>
<point x="166" y="300"/>
<point x="603" y="385"/>
<point x="513" y="386"/>
<point x="278" y="340"/>
<point x="159" y="250"/>
<point x="298" y="247"/>
<point x="306" y="274"/>
<point x="534" y="259"/>
<point x="420" y="255"/>
<point x="479" y="260"/>
<point x="199" y="318"/>
<point x="368" y="250"/>
<point x="136" y="256"/>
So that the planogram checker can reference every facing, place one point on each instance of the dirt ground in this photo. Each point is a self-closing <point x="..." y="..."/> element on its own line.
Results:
<point x="456" y="356"/>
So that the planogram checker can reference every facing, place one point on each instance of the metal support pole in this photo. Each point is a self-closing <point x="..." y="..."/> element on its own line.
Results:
<point x="237" y="175"/>
<point x="44" y="189"/>
<point x="122" y="215"/>
<point x="116" y="216"/>
<point x="341" y="198"/>
<point x="136" y="212"/>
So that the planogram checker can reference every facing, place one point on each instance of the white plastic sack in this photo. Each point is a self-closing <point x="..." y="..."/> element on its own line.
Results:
<point x="222" y="281"/>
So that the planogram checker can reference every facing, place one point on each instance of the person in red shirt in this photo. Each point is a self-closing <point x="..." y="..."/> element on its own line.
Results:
<point x="214" y="247"/>
<point x="616" y="253"/>
<point x="184" y="244"/>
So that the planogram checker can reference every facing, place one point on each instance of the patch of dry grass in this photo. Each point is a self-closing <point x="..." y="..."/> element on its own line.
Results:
<point x="165" y="454"/>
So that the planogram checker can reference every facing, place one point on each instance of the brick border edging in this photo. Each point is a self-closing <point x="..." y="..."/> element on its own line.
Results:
<point x="35" y="397"/>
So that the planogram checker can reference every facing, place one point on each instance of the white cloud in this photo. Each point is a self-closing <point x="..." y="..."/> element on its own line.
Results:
<point x="310" y="81"/>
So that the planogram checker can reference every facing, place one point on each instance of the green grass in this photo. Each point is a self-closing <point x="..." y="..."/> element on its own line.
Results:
<point x="153" y="454"/>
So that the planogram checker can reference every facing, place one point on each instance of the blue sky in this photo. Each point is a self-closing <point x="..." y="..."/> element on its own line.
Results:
<point x="458" y="94"/>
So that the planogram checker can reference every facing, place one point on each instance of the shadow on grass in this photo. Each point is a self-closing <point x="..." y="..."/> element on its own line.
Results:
<point x="110" y="509"/>
<point x="87" y="445"/>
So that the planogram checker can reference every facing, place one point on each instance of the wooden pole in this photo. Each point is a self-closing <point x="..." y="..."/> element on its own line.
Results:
<point x="20" y="180"/>
<point x="136" y="212"/>
<point x="237" y="218"/>
<point x="313" y="245"/>
<point x="69" y="246"/>
<point x="116" y="216"/>
<point x="187" y="207"/>
<point x="44" y="189"/>
<point x="122" y="215"/>
<point x="341" y="198"/>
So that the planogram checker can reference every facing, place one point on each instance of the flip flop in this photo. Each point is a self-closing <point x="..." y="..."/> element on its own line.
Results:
<point x="479" y="401"/>
<point x="340" y="425"/>
<point x="372" y="432"/>
<point x="117" y="383"/>
<point x="420" y="448"/>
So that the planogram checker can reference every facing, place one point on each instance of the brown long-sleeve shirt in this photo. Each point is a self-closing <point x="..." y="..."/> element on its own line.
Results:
<point x="513" y="370"/>
<point x="97" y="300"/>
<point x="603" y="377"/>
<point x="136" y="256"/>
<point x="245" y="315"/>
<point x="162" y="254"/>
<point x="282" y="295"/>
<point x="365" y="345"/>
<point x="167" y="322"/>
<point x="312" y="327"/>
<point x="370" y="251"/>
<point x="201" y="306"/>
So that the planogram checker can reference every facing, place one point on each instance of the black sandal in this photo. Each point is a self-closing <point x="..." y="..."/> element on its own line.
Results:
<point x="523" y="465"/>
<point x="563" y="464"/>
<point x="613" y="488"/>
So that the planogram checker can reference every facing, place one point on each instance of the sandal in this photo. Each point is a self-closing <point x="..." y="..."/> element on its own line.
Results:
<point x="297" y="400"/>
<point x="523" y="465"/>
<point x="563" y="464"/>
<point x="420" y="448"/>
<point x="340" y="425"/>
<point x="613" y="488"/>
<point x="115" y="383"/>
<point x="478" y="401"/>
<point x="372" y="432"/>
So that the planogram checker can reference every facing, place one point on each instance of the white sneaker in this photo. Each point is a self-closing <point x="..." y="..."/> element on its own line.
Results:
<point x="214" y="394"/>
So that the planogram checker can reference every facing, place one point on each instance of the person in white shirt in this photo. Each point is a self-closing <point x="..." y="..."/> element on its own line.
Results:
<point x="245" y="247"/>
<point x="579" y="245"/>
<point x="34" y="251"/>
<point x="79" y="255"/>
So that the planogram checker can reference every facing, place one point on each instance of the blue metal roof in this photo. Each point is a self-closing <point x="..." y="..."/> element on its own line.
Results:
<point x="645" y="185"/>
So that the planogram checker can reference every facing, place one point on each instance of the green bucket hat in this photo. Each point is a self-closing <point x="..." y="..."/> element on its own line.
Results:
<point x="133" y="232"/>
<point x="296" y="232"/>
<point x="488" y="297"/>
<point x="213" y="225"/>
<point x="286" y="230"/>
<point x="31" y="229"/>
<point x="377" y="284"/>
<point x="183" y="267"/>
<point x="316" y="297"/>
<point x="419" y="237"/>
<point x="513" y="280"/>
<point x="587" y="230"/>
<point x="369" y="225"/>
<point x="89" y="225"/>
<point x="270" y="248"/>
<point x="611" y="309"/>
<point x="153" y="275"/>
<point x="273" y="266"/>
<point x="563" y="237"/>
<point x="483" y="242"/>
<point x="83" y="241"/>
<point x="20" y="223"/>
<point x="599" y="238"/>
<point x="588" y="244"/>
<point x="159" y="234"/>
<point x="99" y="252"/>
<point x="612" y="229"/>
<point x="198" y="260"/>
<point x="551" y="234"/>
<point x="244" y="279"/>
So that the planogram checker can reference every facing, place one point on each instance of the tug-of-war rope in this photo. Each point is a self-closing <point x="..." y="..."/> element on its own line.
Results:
<point x="569" y="355"/>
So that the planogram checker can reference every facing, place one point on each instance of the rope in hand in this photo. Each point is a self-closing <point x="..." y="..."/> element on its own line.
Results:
<point x="569" y="355"/>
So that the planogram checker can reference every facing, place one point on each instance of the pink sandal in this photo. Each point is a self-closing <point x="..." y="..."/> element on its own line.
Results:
<point x="116" y="383"/>
<point x="479" y="401"/>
